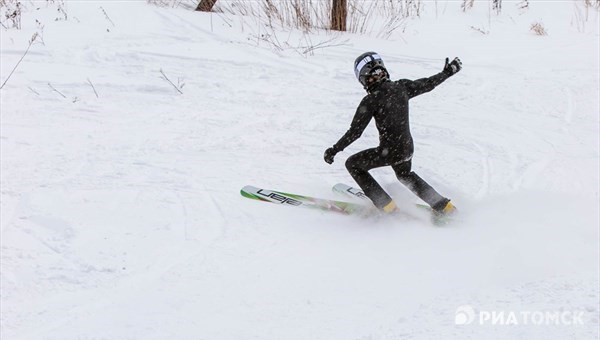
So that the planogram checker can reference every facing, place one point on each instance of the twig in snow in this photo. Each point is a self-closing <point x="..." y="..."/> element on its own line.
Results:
<point x="170" y="82"/>
<point x="524" y="4"/>
<point x="40" y="30"/>
<point x="62" y="12"/>
<point x="57" y="91"/>
<point x="32" y="90"/>
<point x="538" y="28"/>
<point x="467" y="4"/>
<point x="93" y="88"/>
<point x="323" y="44"/>
<point x="497" y="6"/>
<point x="12" y="11"/>
<point x="33" y="38"/>
<point x="107" y="17"/>
<point x="479" y="30"/>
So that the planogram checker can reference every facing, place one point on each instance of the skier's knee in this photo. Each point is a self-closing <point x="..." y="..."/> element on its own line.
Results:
<point x="404" y="175"/>
<point x="403" y="169"/>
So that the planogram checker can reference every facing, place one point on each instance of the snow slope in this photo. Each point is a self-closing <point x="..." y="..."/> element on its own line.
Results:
<point x="121" y="214"/>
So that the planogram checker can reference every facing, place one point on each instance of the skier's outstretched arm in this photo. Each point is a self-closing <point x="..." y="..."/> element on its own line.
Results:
<point x="361" y="120"/>
<point x="423" y="85"/>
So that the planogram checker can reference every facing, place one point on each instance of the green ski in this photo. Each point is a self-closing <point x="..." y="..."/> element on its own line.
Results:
<point x="283" y="198"/>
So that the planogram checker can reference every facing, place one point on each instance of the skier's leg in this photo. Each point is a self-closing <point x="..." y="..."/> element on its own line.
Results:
<point x="359" y="165"/>
<point x="419" y="187"/>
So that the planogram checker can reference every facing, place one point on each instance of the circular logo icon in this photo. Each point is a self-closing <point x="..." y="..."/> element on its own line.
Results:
<point x="464" y="315"/>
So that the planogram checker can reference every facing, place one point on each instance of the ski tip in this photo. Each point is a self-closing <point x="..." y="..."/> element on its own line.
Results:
<point x="247" y="191"/>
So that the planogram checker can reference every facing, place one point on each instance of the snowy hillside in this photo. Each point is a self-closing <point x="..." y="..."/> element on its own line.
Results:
<point x="121" y="216"/>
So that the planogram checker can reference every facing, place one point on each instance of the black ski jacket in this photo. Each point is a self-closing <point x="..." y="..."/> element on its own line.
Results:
<point x="387" y="102"/>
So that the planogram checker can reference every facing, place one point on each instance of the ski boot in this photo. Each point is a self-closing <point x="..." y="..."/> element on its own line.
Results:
<point x="443" y="215"/>
<point x="390" y="207"/>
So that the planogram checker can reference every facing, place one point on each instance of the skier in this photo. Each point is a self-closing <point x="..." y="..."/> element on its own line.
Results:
<point x="387" y="102"/>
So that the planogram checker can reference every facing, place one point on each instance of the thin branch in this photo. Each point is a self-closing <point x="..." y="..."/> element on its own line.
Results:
<point x="479" y="30"/>
<point x="35" y="35"/>
<point x="324" y="44"/>
<point x="93" y="88"/>
<point x="169" y="80"/>
<point x="57" y="91"/>
<point x="32" y="90"/>
<point x="107" y="17"/>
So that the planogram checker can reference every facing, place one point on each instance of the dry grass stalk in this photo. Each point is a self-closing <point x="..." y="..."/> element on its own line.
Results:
<point x="467" y="4"/>
<point x="538" y="29"/>
<point x="34" y="37"/>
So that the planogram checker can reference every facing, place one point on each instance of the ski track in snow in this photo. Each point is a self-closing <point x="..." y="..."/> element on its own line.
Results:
<point x="121" y="215"/>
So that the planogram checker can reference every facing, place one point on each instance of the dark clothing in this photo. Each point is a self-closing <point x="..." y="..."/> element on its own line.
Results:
<point x="387" y="102"/>
<point x="359" y="165"/>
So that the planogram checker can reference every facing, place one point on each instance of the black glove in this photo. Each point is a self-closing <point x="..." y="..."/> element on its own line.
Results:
<point x="329" y="155"/>
<point x="450" y="68"/>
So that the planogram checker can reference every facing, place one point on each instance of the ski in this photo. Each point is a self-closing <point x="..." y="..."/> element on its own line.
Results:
<point x="349" y="191"/>
<point x="358" y="194"/>
<point x="287" y="199"/>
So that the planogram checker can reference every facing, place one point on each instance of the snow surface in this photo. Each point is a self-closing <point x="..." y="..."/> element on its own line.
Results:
<point x="122" y="219"/>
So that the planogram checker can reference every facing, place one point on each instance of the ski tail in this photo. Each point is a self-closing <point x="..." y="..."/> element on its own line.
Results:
<point x="349" y="191"/>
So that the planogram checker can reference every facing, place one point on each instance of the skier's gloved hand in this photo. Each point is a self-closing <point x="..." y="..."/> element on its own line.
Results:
<point x="329" y="155"/>
<point x="450" y="68"/>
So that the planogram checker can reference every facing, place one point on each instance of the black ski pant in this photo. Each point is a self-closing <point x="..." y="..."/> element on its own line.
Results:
<point x="359" y="165"/>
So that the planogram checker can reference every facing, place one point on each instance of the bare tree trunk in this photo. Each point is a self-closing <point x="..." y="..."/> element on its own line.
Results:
<point x="339" y="11"/>
<point x="206" y="5"/>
